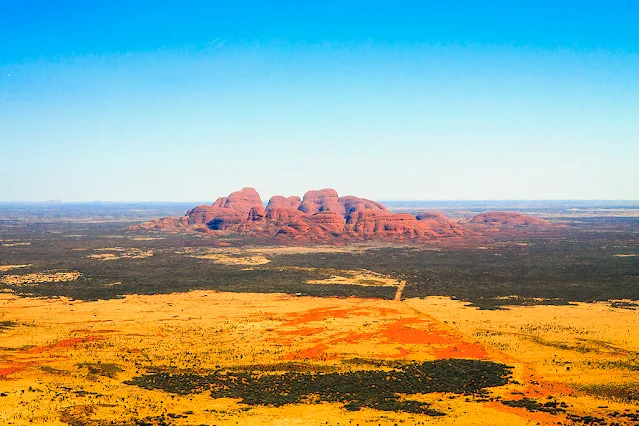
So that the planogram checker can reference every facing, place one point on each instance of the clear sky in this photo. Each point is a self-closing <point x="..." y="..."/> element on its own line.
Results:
<point x="189" y="100"/>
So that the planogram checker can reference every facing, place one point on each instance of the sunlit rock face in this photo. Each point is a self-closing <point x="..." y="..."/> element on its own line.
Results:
<point x="322" y="215"/>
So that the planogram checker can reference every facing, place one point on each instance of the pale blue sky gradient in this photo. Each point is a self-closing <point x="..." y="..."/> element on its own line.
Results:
<point x="180" y="103"/>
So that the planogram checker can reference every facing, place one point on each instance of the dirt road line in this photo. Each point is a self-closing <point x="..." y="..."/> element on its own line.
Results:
<point x="400" y="289"/>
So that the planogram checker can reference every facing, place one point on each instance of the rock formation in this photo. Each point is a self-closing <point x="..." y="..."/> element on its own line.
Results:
<point x="501" y="219"/>
<point x="322" y="215"/>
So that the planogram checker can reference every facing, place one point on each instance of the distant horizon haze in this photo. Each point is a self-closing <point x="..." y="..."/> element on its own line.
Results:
<point x="392" y="201"/>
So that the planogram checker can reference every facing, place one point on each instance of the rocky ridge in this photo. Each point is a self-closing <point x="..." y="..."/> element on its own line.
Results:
<point x="507" y="219"/>
<point x="321" y="215"/>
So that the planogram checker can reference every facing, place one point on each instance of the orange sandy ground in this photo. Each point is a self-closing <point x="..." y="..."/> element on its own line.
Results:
<point x="44" y="378"/>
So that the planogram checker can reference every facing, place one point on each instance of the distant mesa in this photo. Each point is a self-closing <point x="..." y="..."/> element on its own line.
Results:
<point x="320" y="216"/>
<point x="507" y="219"/>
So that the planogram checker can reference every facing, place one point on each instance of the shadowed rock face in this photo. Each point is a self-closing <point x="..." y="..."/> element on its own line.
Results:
<point x="229" y="212"/>
<point x="322" y="215"/>
<point x="507" y="219"/>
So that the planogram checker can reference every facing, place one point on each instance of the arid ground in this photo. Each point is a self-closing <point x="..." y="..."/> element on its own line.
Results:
<point x="100" y="326"/>
<point x="137" y="359"/>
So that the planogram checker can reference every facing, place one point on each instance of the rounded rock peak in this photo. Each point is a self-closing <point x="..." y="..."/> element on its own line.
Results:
<point x="245" y="193"/>
<point x="321" y="200"/>
<point x="497" y="218"/>
<point x="432" y="215"/>
<point x="321" y="193"/>
<point x="244" y="200"/>
<point x="280" y="201"/>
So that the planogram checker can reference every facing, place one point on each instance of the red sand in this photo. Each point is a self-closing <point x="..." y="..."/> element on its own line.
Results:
<point x="353" y="337"/>
<point x="65" y="343"/>
<point x="537" y="416"/>
<point x="5" y="371"/>
<point x="402" y="354"/>
<point x="398" y="332"/>
<point x="321" y="314"/>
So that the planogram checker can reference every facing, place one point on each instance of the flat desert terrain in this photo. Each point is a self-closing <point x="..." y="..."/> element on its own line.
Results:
<point x="144" y="359"/>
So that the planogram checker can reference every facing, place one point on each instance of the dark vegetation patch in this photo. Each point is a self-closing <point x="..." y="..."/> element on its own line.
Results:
<point x="582" y="346"/>
<point x="572" y="265"/>
<point x="101" y="369"/>
<point x="630" y="364"/>
<point x="587" y="420"/>
<point x="625" y="305"/>
<point x="51" y="370"/>
<point x="153" y="421"/>
<point x="550" y="407"/>
<point x="577" y="267"/>
<point x="633" y="417"/>
<point x="164" y="272"/>
<point x="5" y="325"/>
<point x="555" y="408"/>
<point x="622" y="391"/>
<point x="371" y="388"/>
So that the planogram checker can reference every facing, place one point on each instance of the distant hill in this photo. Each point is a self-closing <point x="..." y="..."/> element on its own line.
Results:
<point x="323" y="216"/>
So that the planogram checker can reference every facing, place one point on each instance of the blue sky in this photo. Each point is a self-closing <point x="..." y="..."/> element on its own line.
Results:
<point x="177" y="101"/>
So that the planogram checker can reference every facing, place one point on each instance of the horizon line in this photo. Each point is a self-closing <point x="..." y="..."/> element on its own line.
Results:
<point x="380" y="200"/>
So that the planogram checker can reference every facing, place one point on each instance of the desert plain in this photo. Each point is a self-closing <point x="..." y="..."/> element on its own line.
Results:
<point x="103" y="325"/>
